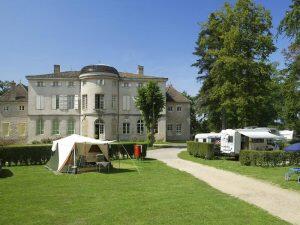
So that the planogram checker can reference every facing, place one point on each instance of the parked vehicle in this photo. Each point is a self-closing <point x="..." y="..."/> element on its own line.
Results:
<point x="208" y="137"/>
<point x="260" y="138"/>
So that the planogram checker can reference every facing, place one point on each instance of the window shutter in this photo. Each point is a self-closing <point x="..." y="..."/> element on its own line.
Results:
<point x="129" y="84"/>
<point x="128" y="102"/>
<point x="76" y="99"/>
<point x="65" y="102"/>
<point x="61" y="102"/>
<point x="53" y="101"/>
<point x="37" y="102"/>
<point x="124" y="102"/>
<point x="42" y="102"/>
<point x="59" y="83"/>
<point x="123" y="84"/>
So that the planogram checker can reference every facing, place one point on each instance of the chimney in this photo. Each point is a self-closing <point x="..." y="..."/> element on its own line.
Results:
<point x="12" y="85"/>
<point x="140" y="70"/>
<point x="56" y="69"/>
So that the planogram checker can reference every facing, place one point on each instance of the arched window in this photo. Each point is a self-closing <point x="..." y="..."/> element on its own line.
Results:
<point x="140" y="127"/>
<point x="99" y="129"/>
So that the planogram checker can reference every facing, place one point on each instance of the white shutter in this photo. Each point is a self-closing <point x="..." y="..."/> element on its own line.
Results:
<point x="59" y="83"/>
<point x="76" y="103"/>
<point x="129" y="84"/>
<point x="124" y="102"/>
<point x="65" y="102"/>
<point x="128" y="103"/>
<point x="42" y="102"/>
<point x="53" y="101"/>
<point x="37" y="102"/>
<point x="61" y="102"/>
<point x="122" y="84"/>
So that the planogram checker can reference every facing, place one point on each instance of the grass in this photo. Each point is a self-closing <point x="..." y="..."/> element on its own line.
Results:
<point x="274" y="175"/>
<point x="159" y="195"/>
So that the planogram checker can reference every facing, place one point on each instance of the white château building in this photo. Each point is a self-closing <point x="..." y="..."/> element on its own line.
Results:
<point x="97" y="101"/>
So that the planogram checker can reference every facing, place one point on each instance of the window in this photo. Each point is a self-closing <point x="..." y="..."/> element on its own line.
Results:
<point x="5" y="108"/>
<point x="230" y="139"/>
<point x="40" y="126"/>
<point x="113" y="102"/>
<point x="70" y="83"/>
<point x="70" y="100"/>
<point x="56" y="101"/>
<point x="170" y="108"/>
<point x="84" y="102"/>
<point x="99" y="129"/>
<point x="257" y="140"/>
<point x="55" y="126"/>
<point x="126" y="84"/>
<point x="140" y="127"/>
<point x="56" y="84"/>
<point x="5" y="129"/>
<point x="179" y="108"/>
<point x="21" y="107"/>
<point x="126" y="103"/>
<point x="21" y="129"/>
<point x="140" y="84"/>
<point x="169" y="127"/>
<point x="99" y="101"/>
<point x="100" y="82"/>
<point x="204" y="140"/>
<point x="40" y="84"/>
<point x="40" y="102"/>
<point x="71" y="126"/>
<point x="178" y="128"/>
<point x="126" y="128"/>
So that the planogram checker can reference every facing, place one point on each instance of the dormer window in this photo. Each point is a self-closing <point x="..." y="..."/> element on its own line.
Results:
<point x="100" y="82"/>
<point x="40" y="84"/>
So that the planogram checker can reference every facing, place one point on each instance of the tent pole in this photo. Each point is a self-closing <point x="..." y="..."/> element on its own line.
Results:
<point x="131" y="160"/>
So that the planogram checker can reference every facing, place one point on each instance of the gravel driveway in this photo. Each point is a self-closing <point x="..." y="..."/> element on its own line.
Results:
<point x="277" y="201"/>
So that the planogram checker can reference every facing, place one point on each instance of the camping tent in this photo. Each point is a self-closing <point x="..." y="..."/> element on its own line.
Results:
<point x="66" y="151"/>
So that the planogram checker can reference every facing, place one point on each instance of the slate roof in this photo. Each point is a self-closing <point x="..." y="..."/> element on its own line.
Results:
<point x="175" y="96"/>
<point x="18" y="93"/>
<point x="65" y="74"/>
<point x="134" y="75"/>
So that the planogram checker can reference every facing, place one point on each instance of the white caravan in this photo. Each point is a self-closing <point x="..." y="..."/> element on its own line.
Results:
<point x="208" y="137"/>
<point x="287" y="134"/>
<point x="232" y="141"/>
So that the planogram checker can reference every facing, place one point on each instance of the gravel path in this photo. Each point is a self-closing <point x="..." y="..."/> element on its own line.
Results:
<point x="279" y="202"/>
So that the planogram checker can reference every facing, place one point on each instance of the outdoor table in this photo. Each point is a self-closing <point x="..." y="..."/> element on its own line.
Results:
<point x="291" y="172"/>
<point x="103" y="164"/>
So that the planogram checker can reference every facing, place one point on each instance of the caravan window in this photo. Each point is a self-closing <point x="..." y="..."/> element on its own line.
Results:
<point x="204" y="140"/>
<point x="230" y="139"/>
<point x="257" y="140"/>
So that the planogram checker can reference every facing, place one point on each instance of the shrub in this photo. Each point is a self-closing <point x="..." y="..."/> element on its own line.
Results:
<point x="116" y="149"/>
<point x="25" y="154"/>
<point x="201" y="150"/>
<point x="269" y="158"/>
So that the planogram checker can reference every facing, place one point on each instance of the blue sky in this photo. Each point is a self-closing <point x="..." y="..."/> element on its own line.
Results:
<point x="158" y="34"/>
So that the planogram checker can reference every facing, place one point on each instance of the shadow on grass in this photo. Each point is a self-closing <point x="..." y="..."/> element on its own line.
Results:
<point x="6" y="173"/>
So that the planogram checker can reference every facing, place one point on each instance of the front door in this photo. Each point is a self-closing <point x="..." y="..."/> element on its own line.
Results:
<point x="99" y="130"/>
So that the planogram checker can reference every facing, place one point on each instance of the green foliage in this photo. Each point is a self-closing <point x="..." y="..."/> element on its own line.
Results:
<point x="233" y="49"/>
<point x="150" y="101"/>
<point x="201" y="150"/>
<point x="117" y="149"/>
<point x="4" y="86"/>
<point x="269" y="158"/>
<point x="25" y="154"/>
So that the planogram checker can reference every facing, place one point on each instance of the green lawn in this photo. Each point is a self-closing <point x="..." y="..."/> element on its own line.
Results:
<point x="274" y="175"/>
<point x="159" y="195"/>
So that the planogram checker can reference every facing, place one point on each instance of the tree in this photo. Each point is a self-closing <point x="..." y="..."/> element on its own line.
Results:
<point x="233" y="47"/>
<point x="194" y="128"/>
<point x="150" y="101"/>
<point x="290" y="26"/>
<point x="4" y="86"/>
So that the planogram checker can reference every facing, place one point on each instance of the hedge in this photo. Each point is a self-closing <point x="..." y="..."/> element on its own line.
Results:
<point x="25" y="154"/>
<point x="117" y="149"/>
<point x="269" y="158"/>
<point x="201" y="150"/>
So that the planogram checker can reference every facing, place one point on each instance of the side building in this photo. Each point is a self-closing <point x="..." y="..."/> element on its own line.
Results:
<point x="13" y="114"/>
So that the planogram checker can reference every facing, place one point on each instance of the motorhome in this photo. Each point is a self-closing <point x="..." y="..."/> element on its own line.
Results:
<point x="208" y="137"/>
<point x="260" y="138"/>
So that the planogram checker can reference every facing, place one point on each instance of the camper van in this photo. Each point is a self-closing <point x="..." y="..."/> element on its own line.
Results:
<point x="208" y="137"/>
<point x="261" y="138"/>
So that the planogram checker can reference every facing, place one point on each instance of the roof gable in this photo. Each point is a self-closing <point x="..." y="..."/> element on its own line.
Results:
<point x="175" y="96"/>
<point x="15" y="93"/>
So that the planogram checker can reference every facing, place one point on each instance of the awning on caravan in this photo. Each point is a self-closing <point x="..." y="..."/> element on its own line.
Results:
<point x="208" y="135"/>
<point x="260" y="134"/>
<point x="65" y="146"/>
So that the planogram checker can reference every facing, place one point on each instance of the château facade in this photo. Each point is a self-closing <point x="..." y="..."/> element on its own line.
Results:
<point x="98" y="101"/>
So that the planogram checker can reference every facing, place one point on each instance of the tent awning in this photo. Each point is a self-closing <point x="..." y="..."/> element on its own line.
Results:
<point x="260" y="134"/>
<point x="208" y="135"/>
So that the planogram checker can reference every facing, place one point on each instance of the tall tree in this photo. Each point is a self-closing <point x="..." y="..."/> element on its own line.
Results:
<point x="233" y="49"/>
<point x="194" y="128"/>
<point x="150" y="101"/>
<point x="4" y="86"/>
<point x="290" y="26"/>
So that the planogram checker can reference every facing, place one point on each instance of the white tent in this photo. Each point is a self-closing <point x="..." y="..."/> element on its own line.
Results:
<point x="66" y="147"/>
